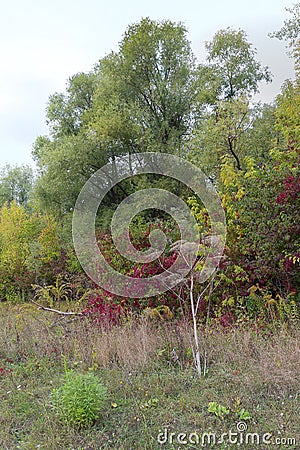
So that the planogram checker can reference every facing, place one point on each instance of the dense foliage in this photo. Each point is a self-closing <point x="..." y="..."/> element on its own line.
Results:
<point x="80" y="399"/>
<point x="151" y="95"/>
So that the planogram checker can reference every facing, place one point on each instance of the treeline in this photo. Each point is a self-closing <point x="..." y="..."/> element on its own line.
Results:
<point x="152" y="95"/>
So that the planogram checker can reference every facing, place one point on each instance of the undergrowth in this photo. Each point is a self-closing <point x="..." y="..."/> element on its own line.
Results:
<point x="150" y="394"/>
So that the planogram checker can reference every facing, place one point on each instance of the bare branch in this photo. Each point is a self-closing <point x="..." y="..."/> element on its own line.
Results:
<point x="56" y="311"/>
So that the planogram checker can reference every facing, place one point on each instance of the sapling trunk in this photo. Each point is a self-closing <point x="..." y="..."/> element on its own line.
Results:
<point x="196" y="352"/>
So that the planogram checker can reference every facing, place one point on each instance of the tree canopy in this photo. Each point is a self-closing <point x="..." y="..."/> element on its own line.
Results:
<point x="150" y="95"/>
<point x="231" y="69"/>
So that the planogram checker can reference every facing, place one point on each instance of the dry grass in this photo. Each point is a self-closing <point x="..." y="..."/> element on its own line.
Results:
<point x="145" y="345"/>
<point x="135" y="360"/>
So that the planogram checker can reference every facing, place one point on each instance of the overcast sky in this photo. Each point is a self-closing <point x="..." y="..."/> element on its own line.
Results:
<point x="44" y="42"/>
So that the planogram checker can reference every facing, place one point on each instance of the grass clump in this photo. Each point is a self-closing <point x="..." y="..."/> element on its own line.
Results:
<point x="80" y="399"/>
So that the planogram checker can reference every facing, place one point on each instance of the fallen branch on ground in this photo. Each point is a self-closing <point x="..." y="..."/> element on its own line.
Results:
<point x="61" y="313"/>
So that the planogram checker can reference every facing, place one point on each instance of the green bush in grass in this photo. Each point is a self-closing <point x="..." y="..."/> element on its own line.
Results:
<point x="80" y="399"/>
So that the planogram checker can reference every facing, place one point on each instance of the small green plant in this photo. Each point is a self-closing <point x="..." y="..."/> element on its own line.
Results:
<point x="80" y="399"/>
<point x="151" y="403"/>
<point x="217" y="410"/>
<point x="235" y="411"/>
<point x="239" y="413"/>
<point x="243" y="414"/>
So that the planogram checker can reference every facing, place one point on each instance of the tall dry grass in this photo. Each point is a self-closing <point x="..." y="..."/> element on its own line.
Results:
<point x="142" y="345"/>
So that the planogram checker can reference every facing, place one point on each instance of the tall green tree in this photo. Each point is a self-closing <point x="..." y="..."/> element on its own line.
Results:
<point x="232" y="65"/>
<point x="16" y="184"/>
<point x="66" y="111"/>
<point x="149" y="86"/>
<point x="288" y="113"/>
<point x="290" y="32"/>
<point x="288" y="101"/>
<point x="141" y="98"/>
<point x="229" y="79"/>
<point x="66" y="158"/>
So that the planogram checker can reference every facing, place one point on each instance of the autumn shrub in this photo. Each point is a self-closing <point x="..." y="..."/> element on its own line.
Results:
<point x="29" y="249"/>
<point x="269" y="217"/>
<point x="106" y="309"/>
<point x="262" y="253"/>
<point x="110" y="309"/>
